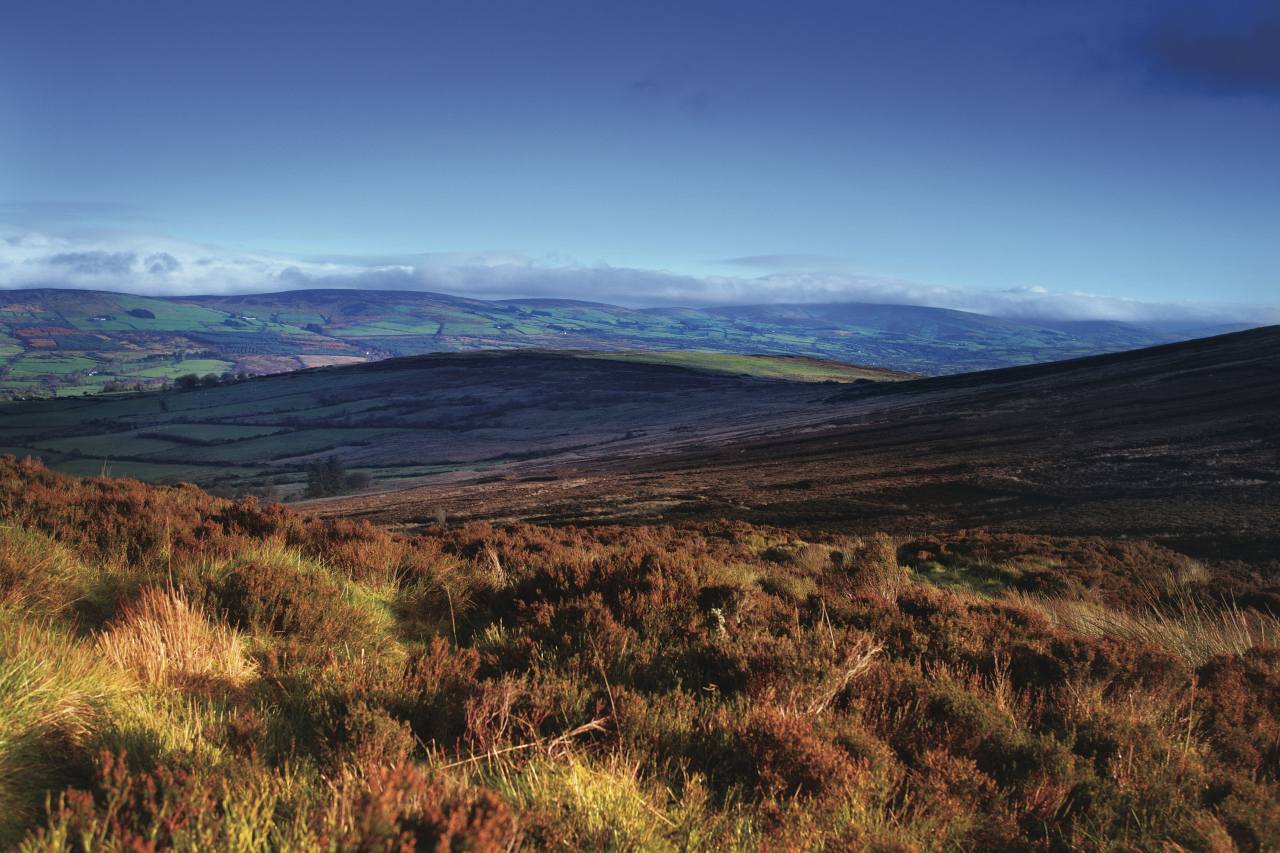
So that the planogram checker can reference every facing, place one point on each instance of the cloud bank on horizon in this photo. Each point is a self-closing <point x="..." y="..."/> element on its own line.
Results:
<point x="162" y="266"/>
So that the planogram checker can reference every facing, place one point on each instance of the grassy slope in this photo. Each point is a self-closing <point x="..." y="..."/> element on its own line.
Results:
<point x="77" y="341"/>
<point x="795" y="368"/>
<point x="182" y="671"/>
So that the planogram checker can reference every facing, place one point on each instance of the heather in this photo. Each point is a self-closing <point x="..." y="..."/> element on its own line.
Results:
<point x="179" y="670"/>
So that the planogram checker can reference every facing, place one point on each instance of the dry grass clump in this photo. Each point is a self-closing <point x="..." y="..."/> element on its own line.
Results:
<point x="1190" y="628"/>
<point x="169" y="642"/>
<point x="38" y="573"/>
<point x="874" y="563"/>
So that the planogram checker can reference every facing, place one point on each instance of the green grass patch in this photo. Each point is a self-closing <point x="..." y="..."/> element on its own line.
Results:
<point x="40" y="365"/>
<point x="198" y="366"/>
<point x="214" y="432"/>
<point x="270" y="447"/>
<point x="763" y="366"/>
<point x="110" y="444"/>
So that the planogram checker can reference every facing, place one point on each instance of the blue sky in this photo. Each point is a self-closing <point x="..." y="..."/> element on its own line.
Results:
<point x="657" y="151"/>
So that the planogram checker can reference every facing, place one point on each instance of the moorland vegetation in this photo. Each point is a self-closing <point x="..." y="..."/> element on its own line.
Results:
<point x="183" y="670"/>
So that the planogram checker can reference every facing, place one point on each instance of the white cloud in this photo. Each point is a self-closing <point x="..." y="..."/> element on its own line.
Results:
<point x="146" y="264"/>
<point x="141" y="263"/>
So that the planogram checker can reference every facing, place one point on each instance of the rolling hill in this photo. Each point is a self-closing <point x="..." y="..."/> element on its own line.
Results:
<point x="406" y="418"/>
<point x="1175" y="441"/>
<point x="72" y="341"/>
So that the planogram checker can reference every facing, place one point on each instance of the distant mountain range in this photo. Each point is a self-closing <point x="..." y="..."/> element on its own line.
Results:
<point x="76" y="341"/>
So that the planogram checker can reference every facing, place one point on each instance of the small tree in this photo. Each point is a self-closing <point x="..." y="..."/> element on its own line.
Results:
<point x="330" y="477"/>
<point x="325" y="477"/>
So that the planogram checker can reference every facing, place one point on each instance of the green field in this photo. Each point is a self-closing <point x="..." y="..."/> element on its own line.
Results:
<point x="272" y="447"/>
<point x="218" y="433"/>
<point x="795" y="369"/>
<point x="111" y="444"/>
<point x="198" y="366"/>
<point x="150" y="471"/>
<point x="38" y="364"/>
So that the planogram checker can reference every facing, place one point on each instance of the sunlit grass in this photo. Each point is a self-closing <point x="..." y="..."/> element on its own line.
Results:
<point x="1190" y="628"/>
<point x="55" y="694"/>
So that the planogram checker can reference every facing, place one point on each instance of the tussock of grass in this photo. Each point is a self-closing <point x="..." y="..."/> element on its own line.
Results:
<point x="169" y="642"/>
<point x="38" y="573"/>
<point x="1189" y="628"/>
<point x="594" y="805"/>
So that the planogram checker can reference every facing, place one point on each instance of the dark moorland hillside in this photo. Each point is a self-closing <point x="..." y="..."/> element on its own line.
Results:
<point x="401" y="420"/>
<point x="75" y="341"/>
<point x="1179" y="442"/>
<point x="181" y="671"/>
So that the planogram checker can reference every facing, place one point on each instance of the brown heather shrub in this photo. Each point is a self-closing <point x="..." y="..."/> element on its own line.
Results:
<point x="1240" y="713"/>
<point x="400" y="808"/>
<point x="490" y="720"/>
<point x="435" y="691"/>
<point x="238" y="806"/>
<point x="169" y="642"/>
<point x="274" y="593"/>
<point x="333" y="714"/>
<point x="1246" y="810"/>
<point x="154" y="527"/>
<point x="115" y="520"/>
<point x="790" y="758"/>
<point x="809" y="672"/>
<point x="954" y="791"/>
<point x="362" y="552"/>
<point x="152" y="810"/>
<point x="343" y="710"/>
